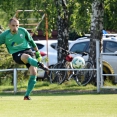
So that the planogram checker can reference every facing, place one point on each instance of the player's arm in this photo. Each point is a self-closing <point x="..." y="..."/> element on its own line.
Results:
<point x="31" y="41"/>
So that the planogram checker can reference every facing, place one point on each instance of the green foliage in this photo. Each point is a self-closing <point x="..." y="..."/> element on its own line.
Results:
<point x="6" y="62"/>
<point x="79" y="13"/>
<point x="110" y="17"/>
<point x="79" y="19"/>
<point x="9" y="7"/>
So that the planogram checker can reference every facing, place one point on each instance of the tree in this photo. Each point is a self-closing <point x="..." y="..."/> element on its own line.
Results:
<point x="96" y="28"/>
<point x="63" y="26"/>
<point x="79" y="18"/>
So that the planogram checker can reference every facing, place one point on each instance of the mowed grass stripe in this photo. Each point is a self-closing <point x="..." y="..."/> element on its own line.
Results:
<point x="59" y="106"/>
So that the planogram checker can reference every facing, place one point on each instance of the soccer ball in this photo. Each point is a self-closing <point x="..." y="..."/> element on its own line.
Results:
<point x="78" y="62"/>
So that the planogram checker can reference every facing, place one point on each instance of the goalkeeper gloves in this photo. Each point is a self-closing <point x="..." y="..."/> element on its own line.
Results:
<point x="38" y="56"/>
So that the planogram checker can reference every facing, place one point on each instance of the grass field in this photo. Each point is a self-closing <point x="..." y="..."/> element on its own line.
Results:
<point x="59" y="105"/>
<point x="52" y="100"/>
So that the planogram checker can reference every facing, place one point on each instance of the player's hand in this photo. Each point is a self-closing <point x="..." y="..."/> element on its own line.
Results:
<point x="38" y="56"/>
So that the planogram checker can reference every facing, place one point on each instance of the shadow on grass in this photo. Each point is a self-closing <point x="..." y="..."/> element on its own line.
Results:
<point x="59" y="92"/>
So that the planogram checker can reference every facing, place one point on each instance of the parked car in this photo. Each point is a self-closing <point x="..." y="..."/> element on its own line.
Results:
<point x="80" y="45"/>
<point x="49" y="48"/>
<point x="109" y="46"/>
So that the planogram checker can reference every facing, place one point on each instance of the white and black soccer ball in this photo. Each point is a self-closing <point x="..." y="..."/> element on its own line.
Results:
<point x="78" y="62"/>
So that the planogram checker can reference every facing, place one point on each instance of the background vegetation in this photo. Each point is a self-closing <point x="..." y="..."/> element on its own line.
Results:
<point x="79" y="20"/>
<point x="79" y="12"/>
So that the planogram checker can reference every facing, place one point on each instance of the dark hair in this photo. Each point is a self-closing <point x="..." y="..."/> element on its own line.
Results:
<point x="15" y="19"/>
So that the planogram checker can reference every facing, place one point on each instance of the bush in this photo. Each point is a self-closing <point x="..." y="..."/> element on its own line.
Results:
<point x="6" y="77"/>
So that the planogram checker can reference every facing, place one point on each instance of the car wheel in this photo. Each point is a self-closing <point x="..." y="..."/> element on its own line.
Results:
<point x="107" y="69"/>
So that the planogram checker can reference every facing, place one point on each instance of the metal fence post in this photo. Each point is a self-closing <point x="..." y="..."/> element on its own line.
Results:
<point x="15" y="80"/>
<point x="101" y="77"/>
<point x="98" y="65"/>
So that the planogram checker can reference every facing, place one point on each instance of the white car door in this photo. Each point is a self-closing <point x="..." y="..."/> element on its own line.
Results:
<point x="110" y="47"/>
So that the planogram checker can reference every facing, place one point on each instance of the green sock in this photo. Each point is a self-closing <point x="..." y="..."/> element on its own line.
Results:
<point x="31" y="84"/>
<point x="32" y="61"/>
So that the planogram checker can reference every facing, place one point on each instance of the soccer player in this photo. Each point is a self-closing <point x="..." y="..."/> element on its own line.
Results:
<point x="19" y="43"/>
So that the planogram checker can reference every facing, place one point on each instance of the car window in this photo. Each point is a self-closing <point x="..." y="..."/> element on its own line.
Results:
<point x="54" y="46"/>
<point x="79" y="47"/>
<point x="40" y="46"/>
<point x="110" y="47"/>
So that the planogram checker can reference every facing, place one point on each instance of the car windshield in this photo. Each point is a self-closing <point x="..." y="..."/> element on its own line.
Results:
<point x="79" y="47"/>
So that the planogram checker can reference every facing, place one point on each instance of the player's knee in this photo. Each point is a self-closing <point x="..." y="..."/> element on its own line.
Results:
<point x="25" y="57"/>
<point x="33" y="70"/>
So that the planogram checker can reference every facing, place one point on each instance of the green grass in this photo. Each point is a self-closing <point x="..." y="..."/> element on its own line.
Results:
<point x="87" y="105"/>
<point x="44" y="85"/>
<point x="52" y="100"/>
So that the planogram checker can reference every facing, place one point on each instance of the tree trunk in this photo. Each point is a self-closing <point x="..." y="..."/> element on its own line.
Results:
<point x="96" y="28"/>
<point x="63" y="25"/>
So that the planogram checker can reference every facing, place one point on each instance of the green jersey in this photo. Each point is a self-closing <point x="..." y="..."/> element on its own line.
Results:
<point x="16" y="42"/>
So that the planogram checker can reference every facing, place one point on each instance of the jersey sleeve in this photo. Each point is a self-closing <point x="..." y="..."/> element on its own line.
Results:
<point x="30" y="39"/>
<point x="2" y="38"/>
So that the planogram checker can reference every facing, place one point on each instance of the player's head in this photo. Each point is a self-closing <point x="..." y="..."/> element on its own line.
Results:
<point x="13" y="25"/>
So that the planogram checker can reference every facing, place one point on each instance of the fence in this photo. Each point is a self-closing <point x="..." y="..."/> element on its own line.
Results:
<point x="97" y="69"/>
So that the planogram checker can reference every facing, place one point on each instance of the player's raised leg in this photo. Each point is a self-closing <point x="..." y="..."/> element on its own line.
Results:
<point x="28" y="59"/>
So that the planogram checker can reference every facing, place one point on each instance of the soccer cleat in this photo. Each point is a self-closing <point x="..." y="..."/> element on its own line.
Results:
<point x="27" y="98"/>
<point x="42" y="66"/>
